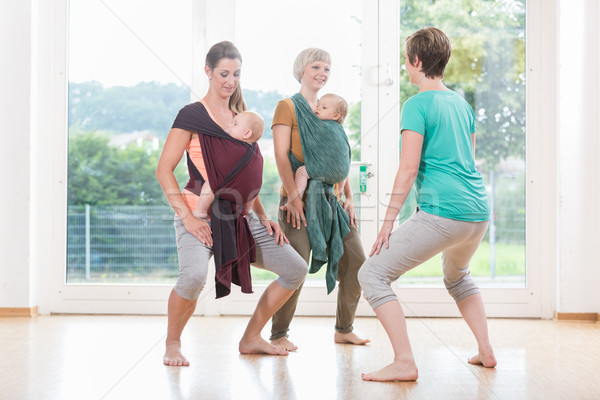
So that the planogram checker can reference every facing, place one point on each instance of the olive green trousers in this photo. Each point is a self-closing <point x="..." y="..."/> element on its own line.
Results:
<point x="349" y="290"/>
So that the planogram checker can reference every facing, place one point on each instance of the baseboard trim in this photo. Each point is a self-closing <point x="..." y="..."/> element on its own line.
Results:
<point x="18" y="311"/>
<point x="591" y="317"/>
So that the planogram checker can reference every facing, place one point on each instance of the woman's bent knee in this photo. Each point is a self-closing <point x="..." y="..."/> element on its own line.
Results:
<point x="294" y="275"/>
<point x="190" y="283"/>
<point x="363" y="278"/>
<point x="376" y="288"/>
<point x="299" y="275"/>
<point x="462" y="288"/>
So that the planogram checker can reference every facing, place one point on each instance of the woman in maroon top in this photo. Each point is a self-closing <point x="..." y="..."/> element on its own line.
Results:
<point x="255" y="238"/>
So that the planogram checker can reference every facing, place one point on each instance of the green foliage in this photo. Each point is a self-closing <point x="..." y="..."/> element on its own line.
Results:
<point x="510" y="207"/>
<point x="269" y="192"/>
<point x="123" y="109"/>
<point x="147" y="106"/>
<point x="487" y="66"/>
<point x="263" y="103"/>
<point x="353" y="125"/>
<point x="100" y="174"/>
<point x="510" y="261"/>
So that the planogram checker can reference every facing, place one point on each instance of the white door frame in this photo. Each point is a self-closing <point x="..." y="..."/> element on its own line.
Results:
<point x="534" y="300"/>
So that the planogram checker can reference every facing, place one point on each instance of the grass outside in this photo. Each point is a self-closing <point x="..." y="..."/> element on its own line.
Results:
<point x="510" y="261"/>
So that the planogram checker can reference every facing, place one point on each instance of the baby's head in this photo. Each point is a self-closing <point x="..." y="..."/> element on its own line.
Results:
<point x="247" y="126"/>
<point x="332" y="107"/>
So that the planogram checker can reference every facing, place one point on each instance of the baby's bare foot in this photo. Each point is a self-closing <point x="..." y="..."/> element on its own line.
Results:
<point x="284" y="343"/>
<point x="173" y="356"/>
<point x="200" y="214"/>
<point x="350" y="338"/>
<point x="396" y="371"/>
<point x="260" y="346"/>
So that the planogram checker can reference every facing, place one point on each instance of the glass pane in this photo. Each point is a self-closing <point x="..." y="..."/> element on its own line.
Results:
<point x="127" y="80"/>
<point x="269" y="45"/>
<point x="487" y="67"/>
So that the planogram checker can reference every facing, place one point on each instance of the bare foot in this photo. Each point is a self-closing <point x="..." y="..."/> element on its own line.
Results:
<point x="486" y="359"/>
<point x="283" y="343"/>
<point x="173" y="356"/>
<point x="350" y="338"/>
<point x="260" y="346"/>
<point x="396" y="371"/>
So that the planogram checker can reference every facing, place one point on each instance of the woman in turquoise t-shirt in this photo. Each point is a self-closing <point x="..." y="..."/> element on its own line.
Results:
<point x="437" y="155"/>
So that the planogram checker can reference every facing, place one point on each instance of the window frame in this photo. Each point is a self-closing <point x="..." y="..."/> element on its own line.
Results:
<point x="537" y="299"/>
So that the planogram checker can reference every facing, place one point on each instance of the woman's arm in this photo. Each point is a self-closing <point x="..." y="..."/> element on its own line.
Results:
<point x="410" y="158"/>
<point x="282" y="138"/>
<point x="349" y="202"/>
<point x="171" y="154"/>
<point x="259" y="209"/>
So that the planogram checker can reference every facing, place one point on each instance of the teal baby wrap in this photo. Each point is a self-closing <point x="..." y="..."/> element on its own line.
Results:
<point x="327" y="157"/>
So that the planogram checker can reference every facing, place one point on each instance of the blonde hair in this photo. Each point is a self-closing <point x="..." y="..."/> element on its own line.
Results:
<point x="256" y="125"/>
<point x="342" y="106"/>
<point x="308" y="56"/>
<point x="228" y="50"/>
<point x="433" y="49"/>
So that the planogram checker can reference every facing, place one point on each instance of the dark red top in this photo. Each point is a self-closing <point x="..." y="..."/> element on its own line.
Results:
<point x="234" y="171"/>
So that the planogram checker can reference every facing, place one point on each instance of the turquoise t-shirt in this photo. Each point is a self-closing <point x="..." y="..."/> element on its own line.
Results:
<point x="448" y="184"/>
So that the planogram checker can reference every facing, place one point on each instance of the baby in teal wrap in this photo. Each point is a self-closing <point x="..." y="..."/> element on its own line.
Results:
<point x="333" y="108"/>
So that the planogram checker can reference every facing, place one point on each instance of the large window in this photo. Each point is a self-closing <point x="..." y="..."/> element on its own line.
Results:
<point x="127" y="80"/>
<point x="133" y="64"/>
<point x="269" y="47"/>
<point x="487" y="67"/>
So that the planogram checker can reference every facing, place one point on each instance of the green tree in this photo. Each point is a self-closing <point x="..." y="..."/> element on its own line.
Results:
<point x="263" y="103"/>
<point x="353" y="122"/>
<point x="487" y="66"/>
<point x="269" y="191"/>
<point x="146" y="106"/>
<point x="100" y="174"/>
<point x="122" y="109"/>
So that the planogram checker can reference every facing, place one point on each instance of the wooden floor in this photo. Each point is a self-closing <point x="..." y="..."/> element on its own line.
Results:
<point x="120" y="357"/>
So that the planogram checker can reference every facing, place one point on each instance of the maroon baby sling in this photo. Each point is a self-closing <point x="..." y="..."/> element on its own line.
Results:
<point x="234" y="170"/>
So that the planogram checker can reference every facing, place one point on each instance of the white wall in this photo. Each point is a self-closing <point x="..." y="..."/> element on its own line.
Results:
<point x="579" y="150"/>
<point x="33" y="186"/>
<point x="15" y="169"/>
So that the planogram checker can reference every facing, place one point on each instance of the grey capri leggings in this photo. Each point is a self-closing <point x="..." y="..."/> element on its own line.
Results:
<point x="194" y="256"/>
<point x="417" y="240"/>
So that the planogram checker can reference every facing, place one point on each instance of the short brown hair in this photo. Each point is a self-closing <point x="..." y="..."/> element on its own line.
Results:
<point x="433" y="49"/>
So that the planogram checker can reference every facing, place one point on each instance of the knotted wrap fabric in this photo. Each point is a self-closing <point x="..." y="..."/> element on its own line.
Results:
<point x="234" y="170"/>
<point x="327" y="157"/>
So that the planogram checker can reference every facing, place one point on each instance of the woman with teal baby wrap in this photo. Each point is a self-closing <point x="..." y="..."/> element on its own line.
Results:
<point x="319" y="222"/>
<point x="327" y="163"/>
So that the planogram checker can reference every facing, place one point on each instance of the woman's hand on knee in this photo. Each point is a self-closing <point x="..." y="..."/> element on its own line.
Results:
<point x="273" y="227"/>
<point x="295" y="212"/>
<point x="382" y="238"/>
<point x="199" y="228"/>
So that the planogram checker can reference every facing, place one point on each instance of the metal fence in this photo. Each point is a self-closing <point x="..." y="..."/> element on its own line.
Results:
<point x="136" y="244"/>
<point x="125" y="243"/>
